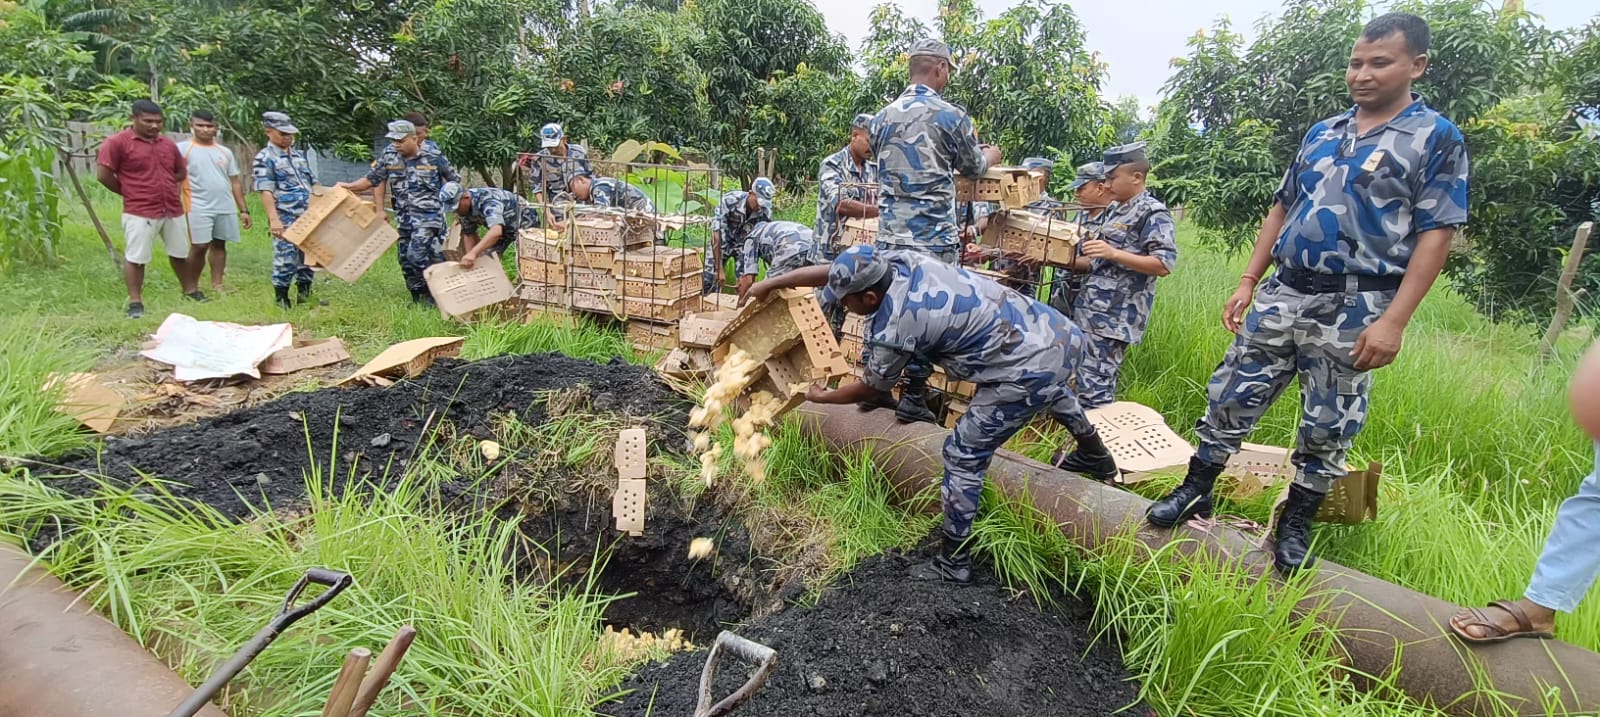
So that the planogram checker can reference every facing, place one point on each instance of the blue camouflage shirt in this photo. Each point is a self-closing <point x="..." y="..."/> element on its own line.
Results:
<point x="492" y="206"/>
<point x="615" y="193"/>
<point x="734" y="221"/>
<point x="919" y="141"/>
<point x="552" y="173"/>
<point x="1116" y="301"/>
<point x="840" y="178"/>
<point x="287" y="174"/>
<point x="1355" y="205"/>
<point x="785" y="246"/>
<point x="414" y="183"/>
<point x="975" y="328"/>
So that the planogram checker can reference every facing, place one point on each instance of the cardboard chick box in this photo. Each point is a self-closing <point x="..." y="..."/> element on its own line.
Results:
<point x="610" y="229"/>
<point x="790" y="336"/>
<point x="856" y="231"/>
<point x="1139" y="439"/>
<point x="1036" y="237"/>
<point x="659" y="262"/>
<point x="459" y="291"/>
<point x="1010" y="187"/>
<point x="342" y="234"/>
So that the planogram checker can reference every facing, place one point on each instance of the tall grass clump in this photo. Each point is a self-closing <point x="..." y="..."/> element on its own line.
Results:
<point x="31" y="423"/>
<point x="194" y="587"/>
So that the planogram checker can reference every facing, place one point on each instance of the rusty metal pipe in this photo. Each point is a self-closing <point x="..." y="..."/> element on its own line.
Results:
<point x="1384" y="628"/>
<point x="60" y="658"/>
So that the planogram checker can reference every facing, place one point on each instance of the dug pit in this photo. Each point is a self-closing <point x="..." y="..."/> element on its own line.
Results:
<point x="876" y="643"/>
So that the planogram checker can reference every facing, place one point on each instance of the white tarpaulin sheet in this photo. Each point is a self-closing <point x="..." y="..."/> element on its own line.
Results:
<point x="199" y="350"/>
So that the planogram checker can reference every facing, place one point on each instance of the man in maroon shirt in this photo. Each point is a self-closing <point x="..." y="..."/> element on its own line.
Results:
<point x="145" y="167"/>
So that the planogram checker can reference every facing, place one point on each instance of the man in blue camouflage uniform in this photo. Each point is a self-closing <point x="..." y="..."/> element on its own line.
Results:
<point x="784" y="246"/>
<point x="1090" y="192"/>
<point x="737" y="215"/>
<point x="551" y="170"/>
<point x="611" y="192"/>
<point x="1136" y="244"/>
<point x="491" y="218"/>
<point x="847" y="187"/>
<point x="1361" y="226"/>
<point x="919" y="142"/>
<point x="413" y="175"/>
<point x="420" y="121"/>
<point x="1019" y="352"/>
<point x="284" y="178"/>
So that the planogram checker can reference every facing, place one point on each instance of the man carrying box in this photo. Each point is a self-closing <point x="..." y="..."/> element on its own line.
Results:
<point x="413" y="174"/>
<point x="784" y="246"/>
<point x="1359" y="230"/>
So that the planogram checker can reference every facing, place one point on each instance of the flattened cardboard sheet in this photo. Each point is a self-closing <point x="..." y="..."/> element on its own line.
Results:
<point x="460" y="291"/>
<point x="304" y="355"/>
<point x="88" y="400"/>
<point x="628" y="504"/>
<point x="630" y="455"/>
<point x="1139" y="439"/>
<point x="408" y="358"/>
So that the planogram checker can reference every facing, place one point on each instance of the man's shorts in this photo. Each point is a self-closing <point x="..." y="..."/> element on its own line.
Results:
<point x="205" y="228"/>
<point x="139" y="237"/>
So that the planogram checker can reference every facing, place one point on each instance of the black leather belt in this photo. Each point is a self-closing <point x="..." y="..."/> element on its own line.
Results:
<point x="1309" y="282"/>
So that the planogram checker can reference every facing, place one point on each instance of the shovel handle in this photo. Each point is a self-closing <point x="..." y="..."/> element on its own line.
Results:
<point x="764" y="658"/>
<point x="336" y="583"/>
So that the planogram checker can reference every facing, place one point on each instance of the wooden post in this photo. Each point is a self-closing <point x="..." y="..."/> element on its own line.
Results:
<point x="88" y="206"/>
<point x="1565" y="299"/>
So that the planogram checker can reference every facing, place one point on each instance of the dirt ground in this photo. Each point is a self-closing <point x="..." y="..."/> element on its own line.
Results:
<point x="877" y="642"/>
<point x="256" y="458"/>
<point x="881" y="643"/>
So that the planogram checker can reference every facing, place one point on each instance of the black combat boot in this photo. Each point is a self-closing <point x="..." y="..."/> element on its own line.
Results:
<point x="281" y="296"/>
<point x="421" y="297"/>
<point x="952" y="564"/>
<point x="1089" y="457"/>
<point x="913" y="406"/>
<point x="1189" y="499"/>
<point x="878" y="399"/>
<point x="1292" y="550"/>
<point x="303" y="293"/>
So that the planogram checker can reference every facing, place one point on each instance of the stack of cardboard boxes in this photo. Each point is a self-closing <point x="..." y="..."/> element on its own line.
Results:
<point x="604" y="263"/>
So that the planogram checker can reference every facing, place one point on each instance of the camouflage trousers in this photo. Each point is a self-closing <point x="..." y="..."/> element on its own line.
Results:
<point x="996" y="413"/>
<point x="419" y="248"/>
<point x="714" y="275"/>
<point x="288" y="264"/>
<point x="1286" y="335"/>
<point x="1098" y="374"/>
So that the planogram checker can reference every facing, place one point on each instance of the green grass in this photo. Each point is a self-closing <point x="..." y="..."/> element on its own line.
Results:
<point x="1471" y="427"/>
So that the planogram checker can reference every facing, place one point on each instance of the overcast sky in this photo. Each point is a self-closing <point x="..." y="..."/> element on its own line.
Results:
<point x="1137" y="38"/>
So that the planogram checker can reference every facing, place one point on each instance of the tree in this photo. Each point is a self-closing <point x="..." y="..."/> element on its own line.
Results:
<point x="1126" y="123"/>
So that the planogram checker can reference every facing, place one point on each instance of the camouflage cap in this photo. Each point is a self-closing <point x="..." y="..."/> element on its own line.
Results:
<point x="1091" y="172"/>
<point x="862" y="121"/>
<point x="1033" y="163"/>
<point x="929" y="47"/>
<point x="550" y="135"/>
<point x="401" y="129"/>
<point x="855" y="270"/>
<point x="278" y="121"/>
<point x="449" y="195"/>
<point x="1124" y="154"/>
<point x="765" y="191"/>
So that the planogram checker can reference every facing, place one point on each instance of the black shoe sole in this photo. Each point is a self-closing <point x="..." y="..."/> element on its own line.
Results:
<point x="1148" y="518"/>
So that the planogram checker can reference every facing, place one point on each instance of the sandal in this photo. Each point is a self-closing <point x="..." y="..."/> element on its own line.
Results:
<point x="1497" y="633"/>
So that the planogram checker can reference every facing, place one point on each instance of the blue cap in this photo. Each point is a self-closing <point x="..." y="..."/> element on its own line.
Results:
<point x="279" y="121"/>
<point x="449" y="194"/>
<point x="1091" y="172"/>
<point x="550" y="135"/>
<point x="765" y="191"/>
<point x="1124" y="154"/>
<point x="862" y="121"/>
<point x="401" y="129"/>
<point x="855" y="270"/>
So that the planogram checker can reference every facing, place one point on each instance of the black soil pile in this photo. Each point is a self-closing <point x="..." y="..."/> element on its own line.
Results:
<point x="256" y="458"/>
<point x="880" y="643"/>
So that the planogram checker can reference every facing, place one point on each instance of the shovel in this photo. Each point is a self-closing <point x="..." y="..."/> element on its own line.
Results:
<point x="764" y="658"/>
<point x="336" y="582"/>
